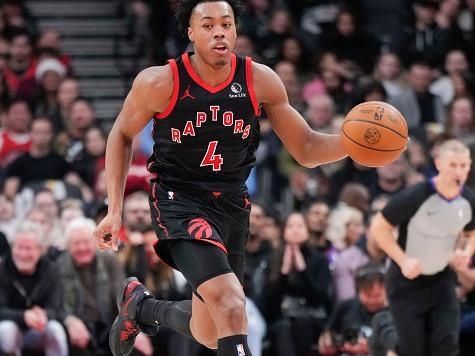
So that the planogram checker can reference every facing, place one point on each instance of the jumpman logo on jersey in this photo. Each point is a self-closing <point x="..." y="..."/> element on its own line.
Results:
<point x="247" y="203"/>
<point x="187" y="94"/>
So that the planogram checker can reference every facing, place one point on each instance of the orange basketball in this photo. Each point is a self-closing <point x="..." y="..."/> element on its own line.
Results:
<point x="374" y="133"/>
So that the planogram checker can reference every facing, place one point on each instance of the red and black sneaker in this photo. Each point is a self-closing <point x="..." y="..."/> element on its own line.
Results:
<point x="126" y="327"/>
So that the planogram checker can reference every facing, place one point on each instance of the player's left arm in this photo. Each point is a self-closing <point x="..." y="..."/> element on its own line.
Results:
<point x="308" y="147"/>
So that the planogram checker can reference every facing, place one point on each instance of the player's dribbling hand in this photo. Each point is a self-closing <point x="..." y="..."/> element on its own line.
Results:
<point x="411" y="268"/>
<point x="107" y="231"/>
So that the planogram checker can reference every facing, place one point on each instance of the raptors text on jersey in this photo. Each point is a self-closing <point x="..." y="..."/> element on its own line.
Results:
<point x="207" y="136"/>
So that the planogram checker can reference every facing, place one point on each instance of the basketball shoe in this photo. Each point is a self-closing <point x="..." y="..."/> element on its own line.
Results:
<point x="126" y="327"/>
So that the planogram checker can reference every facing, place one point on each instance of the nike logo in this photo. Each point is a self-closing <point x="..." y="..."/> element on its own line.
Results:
<point x="429" y="213"/>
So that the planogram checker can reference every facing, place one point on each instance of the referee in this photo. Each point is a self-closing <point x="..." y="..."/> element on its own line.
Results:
<point x="420" y="284"/>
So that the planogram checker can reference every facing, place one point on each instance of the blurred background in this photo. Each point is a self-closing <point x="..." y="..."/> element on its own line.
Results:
<point x="65" y="68"/>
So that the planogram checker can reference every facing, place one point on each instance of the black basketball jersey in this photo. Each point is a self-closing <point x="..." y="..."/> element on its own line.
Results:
<point x="207" y="137"/>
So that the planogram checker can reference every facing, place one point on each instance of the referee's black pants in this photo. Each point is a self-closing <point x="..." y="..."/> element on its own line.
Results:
<point x="427" y="319"/>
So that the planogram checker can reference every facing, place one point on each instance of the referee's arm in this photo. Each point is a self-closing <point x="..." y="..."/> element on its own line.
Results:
<point x="381" y="231"/>
<point x="470" y="247"/>
<point x="460" y="259"/>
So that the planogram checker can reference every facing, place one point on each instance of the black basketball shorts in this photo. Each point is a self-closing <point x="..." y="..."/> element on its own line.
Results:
<point x="218" y="219"/>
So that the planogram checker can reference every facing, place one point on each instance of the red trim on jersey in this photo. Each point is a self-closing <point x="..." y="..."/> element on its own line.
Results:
<point x="201" y="82"/>
<point x="176" y="87"/>
<point x="250" y="87"/>
<point x="214" y="242"/>
<point x="157" y="210"/>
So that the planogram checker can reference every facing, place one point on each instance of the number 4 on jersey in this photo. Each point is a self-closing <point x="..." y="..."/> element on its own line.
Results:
<point x="212" y="159"/>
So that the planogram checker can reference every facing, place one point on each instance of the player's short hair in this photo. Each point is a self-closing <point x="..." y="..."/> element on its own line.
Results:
<point x="185" y="9"/>
<point x="453" y="145"/>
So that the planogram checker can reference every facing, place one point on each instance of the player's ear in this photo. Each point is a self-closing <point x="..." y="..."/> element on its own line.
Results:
<point x="190" y="34"/>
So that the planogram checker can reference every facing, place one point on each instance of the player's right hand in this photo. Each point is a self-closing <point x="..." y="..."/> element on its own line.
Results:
<point x="107" y="231"/>
<point x="411" y="268"/>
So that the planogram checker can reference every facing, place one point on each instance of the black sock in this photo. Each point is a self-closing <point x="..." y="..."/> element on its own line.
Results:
<point x="235" y="345"/>
<point x="175" y="315"/>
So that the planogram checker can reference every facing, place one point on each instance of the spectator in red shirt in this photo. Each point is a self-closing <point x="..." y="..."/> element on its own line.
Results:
<point x="15" y="137"/>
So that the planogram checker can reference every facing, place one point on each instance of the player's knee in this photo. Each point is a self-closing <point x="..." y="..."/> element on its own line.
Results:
<point x="232" y="308"/>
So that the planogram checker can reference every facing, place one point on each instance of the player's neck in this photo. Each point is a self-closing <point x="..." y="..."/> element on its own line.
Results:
<point x="209" y="74"/>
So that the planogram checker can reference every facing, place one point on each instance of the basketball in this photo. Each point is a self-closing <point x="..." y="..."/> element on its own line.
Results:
<point x="374" y="133"/>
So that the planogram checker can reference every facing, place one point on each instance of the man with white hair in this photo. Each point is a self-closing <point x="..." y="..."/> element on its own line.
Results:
<point x="89" y="281"/>
<point x="30" y="298"/>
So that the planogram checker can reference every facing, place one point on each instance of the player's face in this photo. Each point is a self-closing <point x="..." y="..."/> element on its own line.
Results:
<point x="453" y="167"/>
<point x="213" y="32"/>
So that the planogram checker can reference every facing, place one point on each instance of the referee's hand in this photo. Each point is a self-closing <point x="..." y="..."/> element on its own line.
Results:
<point x="411" y="268"/>
<point x="460" y="260"/>
<point x="107" y="231"/>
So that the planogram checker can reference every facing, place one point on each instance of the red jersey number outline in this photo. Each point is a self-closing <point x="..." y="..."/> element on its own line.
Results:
<point x="212" y="159"/>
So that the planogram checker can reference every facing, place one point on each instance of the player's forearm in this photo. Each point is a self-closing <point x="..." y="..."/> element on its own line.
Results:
<point x="322" y="148"/>
<point x="118" y="158"/>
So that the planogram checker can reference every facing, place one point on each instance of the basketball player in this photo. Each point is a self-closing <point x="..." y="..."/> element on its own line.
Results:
<point x="420" y="284"/>
<point x="204" y="107"/>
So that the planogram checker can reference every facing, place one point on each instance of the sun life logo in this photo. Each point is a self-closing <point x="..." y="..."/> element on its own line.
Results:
<point x="236" y="89"/>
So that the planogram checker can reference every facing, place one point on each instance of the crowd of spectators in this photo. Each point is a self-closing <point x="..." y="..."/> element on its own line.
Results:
<point x="313" y="278"/>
